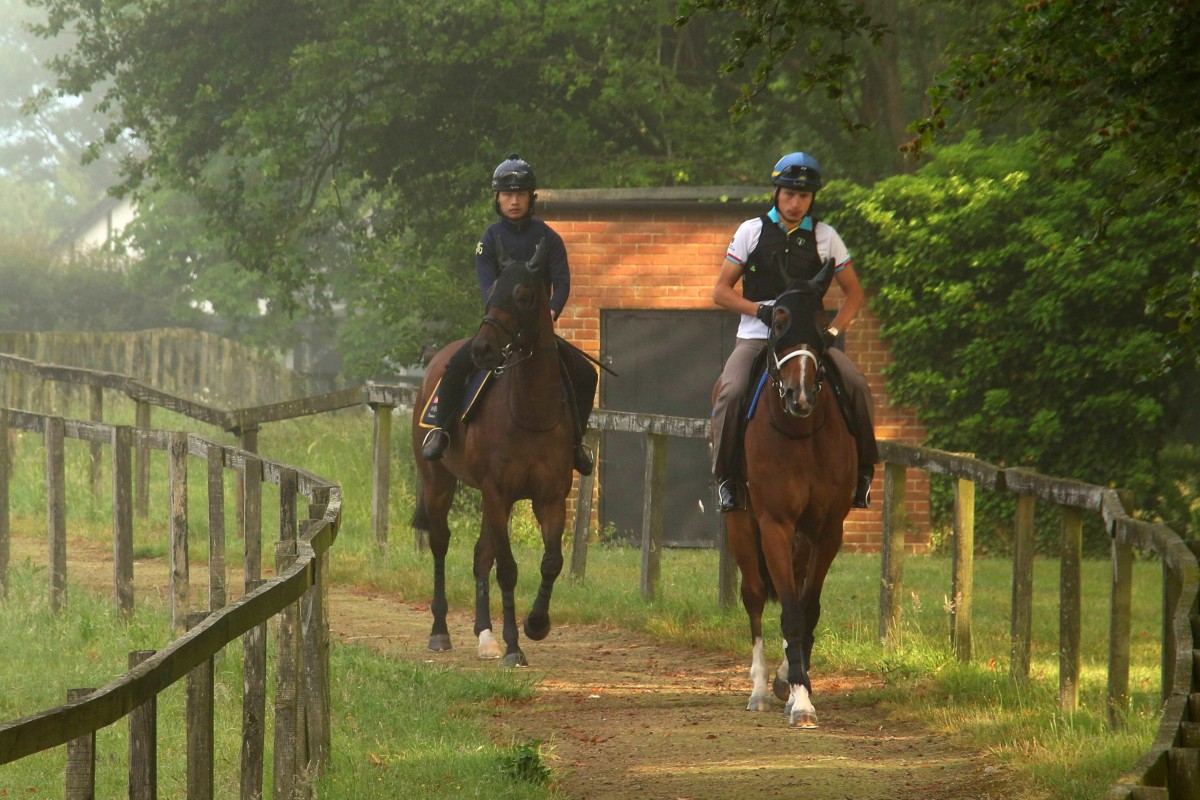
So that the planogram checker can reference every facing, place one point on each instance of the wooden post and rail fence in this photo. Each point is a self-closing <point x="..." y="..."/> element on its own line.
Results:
<point x="297" y="596"/>
<point x="1171" y="769"/>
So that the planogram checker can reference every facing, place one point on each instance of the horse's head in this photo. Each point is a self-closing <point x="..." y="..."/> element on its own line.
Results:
<point x="797" y="343"/>
<point x="512" y="321"/>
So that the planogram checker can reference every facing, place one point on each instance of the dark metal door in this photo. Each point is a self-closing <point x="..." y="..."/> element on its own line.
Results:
<point x="667" y="362"/>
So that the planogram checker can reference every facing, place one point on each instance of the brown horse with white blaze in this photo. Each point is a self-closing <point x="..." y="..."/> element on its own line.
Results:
<point x="801" y="465"/>
<point x="517" y="446"/>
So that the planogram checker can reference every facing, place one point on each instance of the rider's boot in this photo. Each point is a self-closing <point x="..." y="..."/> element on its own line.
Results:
<point x="862" y="490"/>
<point x="731" y="495"/>
<point x="584" y="463"/>
<point x="436" y="442"/>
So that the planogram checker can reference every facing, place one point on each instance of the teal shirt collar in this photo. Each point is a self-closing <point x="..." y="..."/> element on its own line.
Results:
<point x="806" y="224"/>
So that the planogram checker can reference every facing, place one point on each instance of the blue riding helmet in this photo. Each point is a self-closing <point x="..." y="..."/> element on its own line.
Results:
<point x="798" y="171"/>
<point x="514" y="175"/>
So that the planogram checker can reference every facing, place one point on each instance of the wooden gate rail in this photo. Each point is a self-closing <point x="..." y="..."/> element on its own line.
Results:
<point x="298" y="595"/>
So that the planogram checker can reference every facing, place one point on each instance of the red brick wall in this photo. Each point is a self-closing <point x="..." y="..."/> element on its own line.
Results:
<point x="667" y="255"/>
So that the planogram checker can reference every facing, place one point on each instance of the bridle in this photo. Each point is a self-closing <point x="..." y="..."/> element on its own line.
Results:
<point x="514" y="352"/>
<point x="802" y="353"/>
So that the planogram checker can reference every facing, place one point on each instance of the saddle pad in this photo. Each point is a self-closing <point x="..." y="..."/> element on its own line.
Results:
<point x="479" y="380"/>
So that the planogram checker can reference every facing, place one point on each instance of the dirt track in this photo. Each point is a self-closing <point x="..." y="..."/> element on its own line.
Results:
<point x="624" y="717"/>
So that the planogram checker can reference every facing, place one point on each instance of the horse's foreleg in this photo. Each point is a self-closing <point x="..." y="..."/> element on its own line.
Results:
<point x="495" y="523"/>
<point x="743" y="544"/>
<point x="777" y="540"/>
<point x="488" y="646"/>
<point x="552" y="519"/>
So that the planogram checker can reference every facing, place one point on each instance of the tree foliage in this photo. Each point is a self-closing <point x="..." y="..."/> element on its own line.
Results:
<point x="332" y="146"/>
<point x="1016" y="338"/>
<point x="1099" y="77"/>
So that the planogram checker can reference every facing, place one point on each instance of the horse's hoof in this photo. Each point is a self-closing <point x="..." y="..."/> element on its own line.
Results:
<point x="802" y="718"/>
<point x="489" y="648"/>
<point x="440" y="642"/>
<point x="516" y="659"/>
<point x="759" y="703"/>
<point x="781" y="688"/>
<point x="537" y="627"/>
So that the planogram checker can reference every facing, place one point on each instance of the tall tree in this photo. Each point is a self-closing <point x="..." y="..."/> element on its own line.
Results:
<point x="323" y="139"/>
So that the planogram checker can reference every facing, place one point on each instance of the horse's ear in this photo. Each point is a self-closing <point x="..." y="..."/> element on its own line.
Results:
<point x="534" y="264"/>
<point x="822" y="279"/>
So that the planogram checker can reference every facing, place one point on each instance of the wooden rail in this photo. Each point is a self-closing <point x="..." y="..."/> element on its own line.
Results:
<point x="1171" y="768"/>
<point x="297" y="595"/>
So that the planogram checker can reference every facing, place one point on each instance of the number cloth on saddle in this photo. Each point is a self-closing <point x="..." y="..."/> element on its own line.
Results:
<point x="477" y="385"/>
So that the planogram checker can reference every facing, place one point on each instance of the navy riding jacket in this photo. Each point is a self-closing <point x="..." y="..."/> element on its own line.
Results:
<point x="519" y="242"/>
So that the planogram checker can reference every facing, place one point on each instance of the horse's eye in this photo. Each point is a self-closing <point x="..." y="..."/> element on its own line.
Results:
<point x="781" y="321"/>
<point x="525" y="298"/>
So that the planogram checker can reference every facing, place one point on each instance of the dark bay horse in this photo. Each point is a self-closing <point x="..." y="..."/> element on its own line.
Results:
<point x="801" y="464"/>
<point x="517" y="446"/>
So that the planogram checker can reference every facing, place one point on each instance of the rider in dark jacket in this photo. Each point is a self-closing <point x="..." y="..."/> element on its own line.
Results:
<point x="517" y="234"/>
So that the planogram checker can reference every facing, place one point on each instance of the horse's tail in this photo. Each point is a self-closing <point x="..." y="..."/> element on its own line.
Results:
<point x="420" y="517"/>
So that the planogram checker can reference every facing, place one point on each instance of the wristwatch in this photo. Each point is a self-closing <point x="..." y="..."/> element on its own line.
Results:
<point x="833" y="332"/>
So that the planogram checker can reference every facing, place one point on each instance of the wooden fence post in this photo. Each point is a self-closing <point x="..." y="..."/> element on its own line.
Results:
<point x="217" y="578"/>
<point x="143" y="742"/>
<point x="122" y="489"/>
<point x="1120" y="624"/>
<point x="5" y="521"/>
<point x="891" y="587"/>
<point x="288" y="490"/>
<point x="56" y="511"/>
<point x="251" y="519"/>
<point x="652" y="514"/>
<point x="1022" y="589"/>
<point x="287" y="656"/>
<point x="180" y="573"/>
<point x="1070" y="608"/>
<point x="313" y="665"/>
<point x="583" y="517"/>
<point x="381" y="469"/>
<point x="81" y="758"/>
<point x="963" y="566"/>
<point x="200" y="724"/>
<point x="96" y="414"/>
<point x="142" y="476"/>
<point x="254" y="706"/>
<point x="316" y="510"/>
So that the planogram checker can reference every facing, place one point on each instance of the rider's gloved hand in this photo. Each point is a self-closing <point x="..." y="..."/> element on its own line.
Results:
<point x="765" y="313"/>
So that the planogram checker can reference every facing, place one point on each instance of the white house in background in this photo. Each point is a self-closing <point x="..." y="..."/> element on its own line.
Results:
<point x="97" y="229"/>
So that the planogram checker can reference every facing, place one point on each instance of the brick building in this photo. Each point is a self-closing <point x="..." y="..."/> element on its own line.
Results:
<point x="643" y="263"/>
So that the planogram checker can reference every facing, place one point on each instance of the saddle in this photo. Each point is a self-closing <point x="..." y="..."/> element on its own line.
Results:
<point x="477" y="386"/>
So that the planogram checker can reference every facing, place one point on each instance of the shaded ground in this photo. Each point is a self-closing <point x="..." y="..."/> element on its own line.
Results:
<point x="624" y="717"/>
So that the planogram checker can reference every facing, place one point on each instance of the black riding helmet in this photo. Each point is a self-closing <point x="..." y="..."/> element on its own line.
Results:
<point x="514" y="175"/>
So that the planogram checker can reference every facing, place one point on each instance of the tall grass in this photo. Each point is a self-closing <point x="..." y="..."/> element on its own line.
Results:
<point x="1060" y="755"/>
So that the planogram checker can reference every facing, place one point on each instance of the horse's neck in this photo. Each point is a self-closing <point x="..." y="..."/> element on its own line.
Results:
<point x="538" y="377"/>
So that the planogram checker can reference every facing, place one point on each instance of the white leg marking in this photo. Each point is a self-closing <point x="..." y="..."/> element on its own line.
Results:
<point x="488" y="646"/>
<point x="800" y="711"/>
<point x="760" y="700"/>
